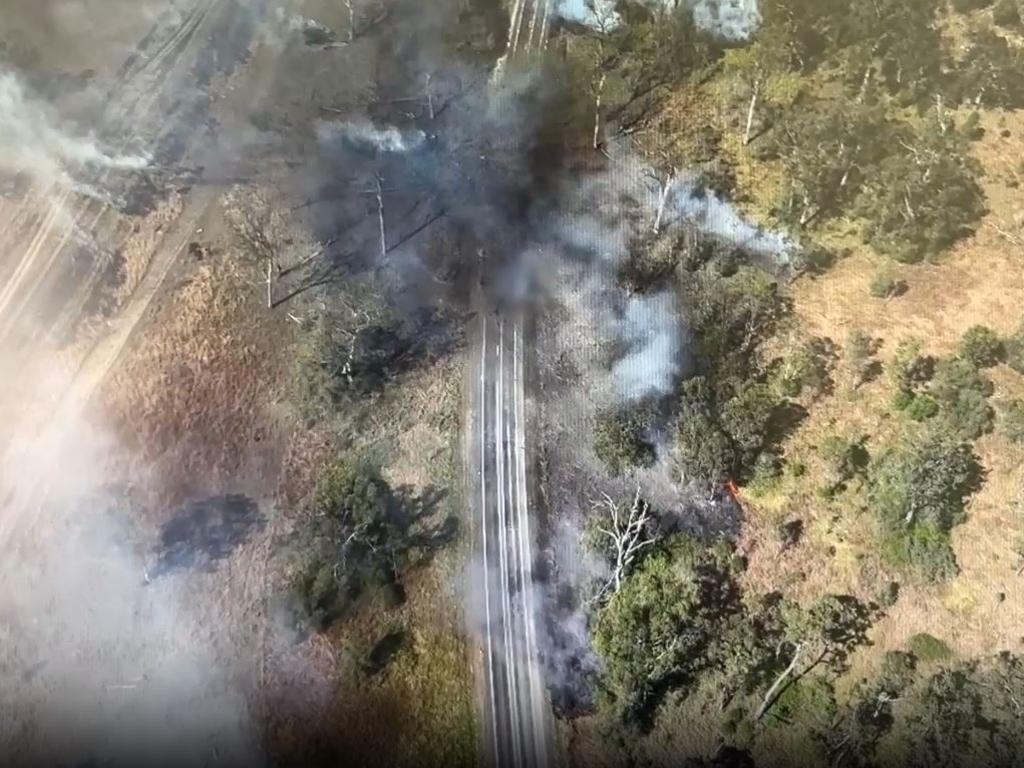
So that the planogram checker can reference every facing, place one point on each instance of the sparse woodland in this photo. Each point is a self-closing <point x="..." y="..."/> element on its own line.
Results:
<point x="862" y="131"/>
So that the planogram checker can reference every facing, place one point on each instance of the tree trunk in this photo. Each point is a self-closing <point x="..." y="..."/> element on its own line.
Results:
<point x="430" y="99"/>
<point x="351" y="21"/>
<point x="769" y="697"/>
<point x="666" y="188"/>
<point x="750" y="111"/>
<point x="270" y="284"/>
<point x="597" y="112"/>
<point x="380" y="219"/>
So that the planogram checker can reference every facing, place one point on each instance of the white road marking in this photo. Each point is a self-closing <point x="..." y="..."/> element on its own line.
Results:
<point x="483" y="520"/>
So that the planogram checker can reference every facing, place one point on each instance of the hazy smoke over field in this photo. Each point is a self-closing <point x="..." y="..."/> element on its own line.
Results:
<point x="98" y="667"/>
<point x="36" y="144"/>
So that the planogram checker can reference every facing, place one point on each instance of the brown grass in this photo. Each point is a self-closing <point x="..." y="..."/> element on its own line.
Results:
<point x="981" y="282"/>
<point x="188" y="400"/>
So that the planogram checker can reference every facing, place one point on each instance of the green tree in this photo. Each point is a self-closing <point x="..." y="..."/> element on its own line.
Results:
<point x="989" y="73"/>
<point x="747" y="416"/>
<point x="894" y="44"/>
<point x="1013" y="421"/>
<point x="981" y="347"/>
<point x="860" y="353"/>
<point x="844" y="460"/>
<point x="760" y="75"/>
<point x="919" y="490"/>
<point x="704" y="453"/>
<point x="922" y="197"/>
<point x="1014" y="350"/>
<point x="1006" y="13"/>
<point x="656" y="628"/>
<point x="962" y="393"/>
<point x="620" y="440"/>
<point x="829" y="151"/>
<point x="909" y="368"/>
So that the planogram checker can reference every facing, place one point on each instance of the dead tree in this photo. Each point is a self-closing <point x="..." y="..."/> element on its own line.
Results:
<point x="629" y="535"/>
<point x="599" y="91"/>
<point x="664" y="190"/>
<point x="756" y="92"/>
<point x="351" y="21"/>
<point x="430" y="99"/>
<point x="380" y="219"/>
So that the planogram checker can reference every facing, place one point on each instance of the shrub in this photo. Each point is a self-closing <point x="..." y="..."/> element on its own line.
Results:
<point x="885" y="286"/>
<point x="1006" y="13"/>
<point x="962" y="394"/>
<point x="963" y="6"/>
<point x="981" y="347"/>
<point x="619" y="439"/>
<point x="1013" y="422"/>
<point x="921" y="407"/>
<point x="928" y="647"/>
<point x="1014" y="351"/>
<point x="919" y="490"/>
<point x="908" y="368"/>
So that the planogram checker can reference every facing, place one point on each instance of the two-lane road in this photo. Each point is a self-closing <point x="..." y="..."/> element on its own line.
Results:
<point x="516" y="708"/>
<point x="517" y="711"/>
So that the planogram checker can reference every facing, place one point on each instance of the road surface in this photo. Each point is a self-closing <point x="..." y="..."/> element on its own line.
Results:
<point x="517" y="710"/>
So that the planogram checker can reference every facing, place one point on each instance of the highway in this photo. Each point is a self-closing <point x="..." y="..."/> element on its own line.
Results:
<point x="517" y="710"/>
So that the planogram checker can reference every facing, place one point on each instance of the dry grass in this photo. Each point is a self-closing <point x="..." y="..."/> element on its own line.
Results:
<point x="138" y="248"/>
<point x="188" y="401"/>
<point x="981" y="281"/>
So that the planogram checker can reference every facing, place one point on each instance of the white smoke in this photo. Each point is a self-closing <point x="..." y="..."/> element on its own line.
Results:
<point x="98" y="667"/>
<point x="711" y="214"/>
<point x="734" y="20"/>
<point x="388" y="139"/>
<point x="36" y="144"/>
<point x="651" y="330"/>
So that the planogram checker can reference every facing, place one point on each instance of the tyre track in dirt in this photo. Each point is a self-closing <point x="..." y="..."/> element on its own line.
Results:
<point x="58" y="224"/>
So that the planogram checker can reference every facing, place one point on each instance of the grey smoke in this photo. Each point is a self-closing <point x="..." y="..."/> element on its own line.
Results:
<point x="711" y="214"/>
<point x="728" y="19"/>
<point x="35" y="143"/>
<point x="97" y="666"/>
<point x="365" y="133"/>
<point x="651" y="331"/>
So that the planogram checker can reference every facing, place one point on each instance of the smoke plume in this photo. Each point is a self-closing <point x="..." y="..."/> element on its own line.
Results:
<point x="733" y="20"/>
<point x="37" y="145"/>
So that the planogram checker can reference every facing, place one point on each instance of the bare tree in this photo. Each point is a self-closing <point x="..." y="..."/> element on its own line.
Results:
<point x="351" y="21"/>
<point x="629" y="534"/>
<point x="664" y="190"/>
<point x="265" y="240"/>
<point x="430" y="98"/>
<point x="754" y="94"/>
<point x="380" y="219"/>
<point x="599" y="91"/>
